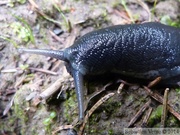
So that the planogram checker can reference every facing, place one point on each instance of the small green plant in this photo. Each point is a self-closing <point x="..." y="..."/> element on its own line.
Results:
<point x="21" y="1"/>
<point x="66" y="22"/>
<point x="23" y="30"/>
<point x="49" y="121"/>
<point x="24" y="67"/>
<point x="154" y="6"/>
<point x="167" y="20"/>
<point x="52" y="115"/>
<point x="123" y="2"/>
<point x="12" y="2"/>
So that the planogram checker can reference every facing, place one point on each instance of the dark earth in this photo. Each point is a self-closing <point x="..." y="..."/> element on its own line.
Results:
<point x="56" y="24"/>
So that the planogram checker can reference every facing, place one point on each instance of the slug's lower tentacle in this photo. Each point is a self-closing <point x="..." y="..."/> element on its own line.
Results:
<point x="79" y="86"/>
<point x="50" y="53"/>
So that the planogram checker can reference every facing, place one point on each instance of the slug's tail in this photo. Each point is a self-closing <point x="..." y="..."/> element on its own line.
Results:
<point x="50" y="53"/>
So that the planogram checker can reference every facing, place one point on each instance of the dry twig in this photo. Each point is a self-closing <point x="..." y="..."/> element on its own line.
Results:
<point x="139" y="113"/>
<point x="53" y="88"/>
<point x="164" y="114"/>
<point x="98" y="92"/>
<point x="30" y="68"/>
<point x="123" y="15"/>
<point x="120" y="88"/>
<point x="33" y="4"/>
<point x="146" y="8"/>
<point x="6" y="110"/>
<point x="36" y="8"/>
<point x="154" y="82"/>
<point x="158" y="98"/>
<point x="64" y="127"/>
<point x="55" y="36"/>
<point x="43" y="71"/>
<point x="147" y="116"/>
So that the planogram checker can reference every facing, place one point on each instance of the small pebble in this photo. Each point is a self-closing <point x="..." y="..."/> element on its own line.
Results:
<point x="58" y="31"/>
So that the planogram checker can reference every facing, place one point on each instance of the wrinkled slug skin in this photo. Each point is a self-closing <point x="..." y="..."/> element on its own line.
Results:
<point x="143" y="50"/>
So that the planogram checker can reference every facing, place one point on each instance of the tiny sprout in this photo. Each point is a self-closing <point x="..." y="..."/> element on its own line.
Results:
<point x="24" y="67"/>
<point x="47" y="121"/>
<point x="53" y="115"/>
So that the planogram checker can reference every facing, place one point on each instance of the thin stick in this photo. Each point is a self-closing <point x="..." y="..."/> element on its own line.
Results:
<point x="9" y="105"/>
<point x="120" y="88"/>
<point x="36" y="8"/>
<point x="33" y="3"/>
<point x="139" y="113"/>
<point x="9" y="70"/>
<point x="43" y="71"/>
<point x="98" y="92"/>
<point x="147" y="116"/>
<point x="164" y="114"/>
<point x="55" y="36"/>
<point x="62" y="128"/>
<point x="154" y="82"/>
<point x="146" y="8"/>
<point x="31" y="68"/>
<point x="52" y="89"/>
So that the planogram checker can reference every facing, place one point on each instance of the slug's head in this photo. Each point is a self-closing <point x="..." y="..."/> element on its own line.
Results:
<point x="78" y="77"/>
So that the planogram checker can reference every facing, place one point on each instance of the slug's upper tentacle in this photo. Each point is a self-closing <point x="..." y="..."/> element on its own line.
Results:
<point x="50" y="53"/>
<point x="79" y="86"/>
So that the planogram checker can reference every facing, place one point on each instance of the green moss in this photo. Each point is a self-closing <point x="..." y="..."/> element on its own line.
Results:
<point x="70" y="107"/>
<point x="93" y="119"/>
<point x="19" y="104"/>
<point x="156" y="116"/>
<point x="172" y="122"/>
<point x="110" y="132"/>
<point x="7" y="124"/>
<point x="111" y="106"/>
<point x="130" y="98"/>
<point x="178" y="90"/>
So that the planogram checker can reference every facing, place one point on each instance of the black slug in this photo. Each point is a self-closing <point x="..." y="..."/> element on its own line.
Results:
<point x="143" y="51"/>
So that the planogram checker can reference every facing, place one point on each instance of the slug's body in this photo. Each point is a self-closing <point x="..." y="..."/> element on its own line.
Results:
<point x="143" y="51"/>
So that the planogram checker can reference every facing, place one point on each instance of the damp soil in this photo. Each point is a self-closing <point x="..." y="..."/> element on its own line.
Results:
<point x="56" y="25"/>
